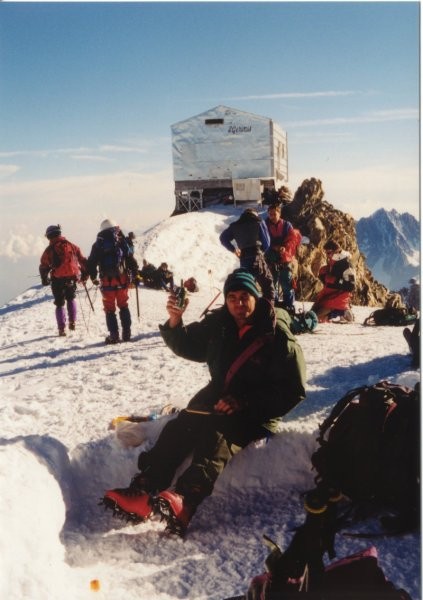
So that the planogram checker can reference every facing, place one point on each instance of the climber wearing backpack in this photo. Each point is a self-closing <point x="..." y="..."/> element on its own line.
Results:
<point x="257" y="375"/>
<point x="61" y="266"/>
<point x="117" y="268"/>
<point x="284" y="241"/>
<point x="338" y="279"/>
<point x="252" y="240"/>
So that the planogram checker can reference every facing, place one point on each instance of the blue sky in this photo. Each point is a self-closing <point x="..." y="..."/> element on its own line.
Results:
<point x="88" y="92"/>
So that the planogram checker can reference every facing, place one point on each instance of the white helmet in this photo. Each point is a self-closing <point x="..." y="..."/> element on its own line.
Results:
<point x="107" y="224"/>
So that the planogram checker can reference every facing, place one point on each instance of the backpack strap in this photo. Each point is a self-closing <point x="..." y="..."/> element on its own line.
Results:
<point x="337" y="410"/>
<point x="244" y="356"/>
<point x="285" y="229"/>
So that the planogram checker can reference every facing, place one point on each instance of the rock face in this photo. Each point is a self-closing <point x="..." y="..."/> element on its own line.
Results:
<point x="320" y="221"/>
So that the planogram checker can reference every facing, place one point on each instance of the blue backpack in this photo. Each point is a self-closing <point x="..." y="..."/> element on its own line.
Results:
<point x="304" y="322"/>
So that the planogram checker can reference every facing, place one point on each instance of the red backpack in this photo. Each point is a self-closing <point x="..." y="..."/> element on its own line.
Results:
<point x="64" y="259"/>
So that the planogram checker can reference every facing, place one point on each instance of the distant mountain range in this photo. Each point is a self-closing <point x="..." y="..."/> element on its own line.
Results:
<point x="390" y="242"/>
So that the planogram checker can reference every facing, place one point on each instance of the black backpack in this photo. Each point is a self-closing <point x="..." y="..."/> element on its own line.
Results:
<point x="370" y="452"/>
<point x="299" y="571"/>
<point x="391" y="316"/>
<point x="113" y="251"/>
<point x="355" y="577"/>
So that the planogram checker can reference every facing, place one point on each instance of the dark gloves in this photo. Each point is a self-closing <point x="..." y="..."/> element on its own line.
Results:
<point x="45" y="280"/>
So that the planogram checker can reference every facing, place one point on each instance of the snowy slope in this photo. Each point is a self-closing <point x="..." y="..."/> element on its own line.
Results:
<point x="391" y="243"/>
<point x="57" y="455"/>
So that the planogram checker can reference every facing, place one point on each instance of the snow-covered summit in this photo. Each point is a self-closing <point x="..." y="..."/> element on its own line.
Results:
<point x="57" y="455"/>
<point x="391" y="243"/>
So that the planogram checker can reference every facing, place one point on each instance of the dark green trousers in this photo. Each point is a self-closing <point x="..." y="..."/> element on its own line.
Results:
<point x="212" y="439"/>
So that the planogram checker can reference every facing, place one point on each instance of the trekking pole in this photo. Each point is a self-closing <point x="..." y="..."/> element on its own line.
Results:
<point x="82" y="312"/>
<point x="210" y="304"/>
<point x="138" y="301"/>
<point x="88" y="296"/>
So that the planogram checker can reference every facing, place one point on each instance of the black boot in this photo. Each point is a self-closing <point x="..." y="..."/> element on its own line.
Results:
<point x="125" y="319"/>
<point x="112" y="326"/>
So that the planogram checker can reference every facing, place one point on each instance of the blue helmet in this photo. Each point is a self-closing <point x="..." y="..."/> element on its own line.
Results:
<point x="53" y="231"/>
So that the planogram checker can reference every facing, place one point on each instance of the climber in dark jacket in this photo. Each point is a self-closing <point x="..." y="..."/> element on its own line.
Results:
<point x="257" y="374"/>
<point x="252" y="240"/>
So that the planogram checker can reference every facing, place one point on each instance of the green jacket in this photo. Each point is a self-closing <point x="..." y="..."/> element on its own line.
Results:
<point x="271" y="381"/>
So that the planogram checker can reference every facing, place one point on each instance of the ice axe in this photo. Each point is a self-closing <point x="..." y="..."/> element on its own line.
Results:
<point x="138" y="301"/>
<point x="210" y="304"/>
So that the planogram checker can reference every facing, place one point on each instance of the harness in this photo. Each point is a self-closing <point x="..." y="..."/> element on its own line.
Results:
<point x="112" y="288"/>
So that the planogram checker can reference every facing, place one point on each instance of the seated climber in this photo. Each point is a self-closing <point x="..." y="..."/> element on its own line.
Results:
<point x="147" y="274"/>
<point x="257" y="375"/>
<point x="164" y="278"/>
<point x="338" y="279"/>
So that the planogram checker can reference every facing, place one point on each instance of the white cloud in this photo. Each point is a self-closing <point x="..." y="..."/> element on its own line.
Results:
<point x="136" y="200"/>
<point x="130" y="147"/>
<point x="381" y="116"/>
<point x="289" y="95"/>
<point x="21" y="243"/>
<point x="91" y="158"/>
<point x="7" y="170"/>
<point x="319" y="137"/>
<point x="42" y="153"/>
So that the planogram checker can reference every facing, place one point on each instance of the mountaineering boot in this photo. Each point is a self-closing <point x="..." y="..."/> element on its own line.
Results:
<point x="126" y="335"/>
<point x="112" y="326"/>
<point x="133" y="502"/>
<point x="71" y="306"/>
<point x="125" y="319"/>
<point x="61" y="320"/>
<point x="174" y="510"/>
<point x="135" y="505"/>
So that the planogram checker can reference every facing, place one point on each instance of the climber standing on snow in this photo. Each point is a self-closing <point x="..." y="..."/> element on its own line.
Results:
<point x="61" y="266"/>
<point x="284" y="241"/>
<point x="117" y="267"/>
<point x="252" y="240"/>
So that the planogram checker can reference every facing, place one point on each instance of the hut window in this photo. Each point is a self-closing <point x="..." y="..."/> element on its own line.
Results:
<point x="214" y="121"/>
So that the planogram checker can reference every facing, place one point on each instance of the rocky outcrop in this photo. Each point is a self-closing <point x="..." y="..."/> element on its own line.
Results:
<point x="319" y="221"/>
